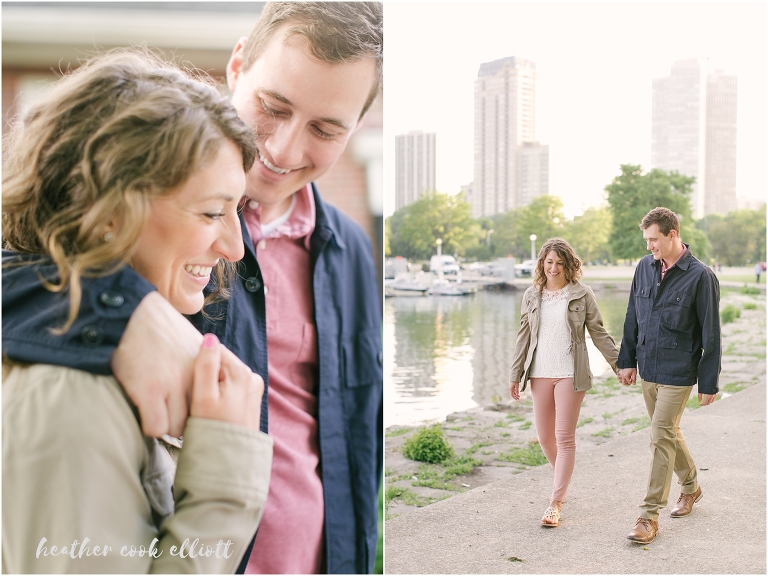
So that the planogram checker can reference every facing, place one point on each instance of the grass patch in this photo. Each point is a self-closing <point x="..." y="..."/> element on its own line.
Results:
<point x="525" y="425"/>
<point x="609" y="415"/>
<point x="644" y="423"/>
<point x="475" y="447"/>
<point x="515" y="417"/>
<point x="584" y="421"/>
<point x="388" y="471"/>
<point x="605" y="433"/>
<point x="592" y="390"/>
<point x="405" y="495"/>
<point x="398" y="432"/>
<point x="733" y="387"/>
<point x="730" y="313"/>
<point x="750" y="306"/>
<point x="500" y="424"/>
<point x="428" y="445"/>
<point x="467" y="419"/>
<point x="749" y="290"/>
<point x="693" y="403"/>
<point x="612" y="383"/>
<point x="730" y="350"/>
<point x="629" y="421"/>
<point x="505" y="434"/>
<point x="531" y="455"/>
<point x="461" y="466"/>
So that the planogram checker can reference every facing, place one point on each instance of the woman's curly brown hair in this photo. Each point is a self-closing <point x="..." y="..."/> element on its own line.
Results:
<point x="124" y="128"/>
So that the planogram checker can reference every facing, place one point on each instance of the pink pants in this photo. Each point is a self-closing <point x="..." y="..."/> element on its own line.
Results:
<point x="556" y="412"/>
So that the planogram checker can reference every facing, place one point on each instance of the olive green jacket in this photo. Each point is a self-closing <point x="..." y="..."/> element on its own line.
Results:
<point x="78" y="474"/>
<point x="582" y="313"/>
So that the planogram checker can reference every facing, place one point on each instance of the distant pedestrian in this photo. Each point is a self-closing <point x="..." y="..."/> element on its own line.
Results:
<point x="551" y="351"/>
<point x="758" y="271"/>
<point x="672" y="332"/>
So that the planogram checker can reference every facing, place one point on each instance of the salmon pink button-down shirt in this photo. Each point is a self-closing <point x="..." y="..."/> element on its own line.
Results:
<point x="290" y="536"/>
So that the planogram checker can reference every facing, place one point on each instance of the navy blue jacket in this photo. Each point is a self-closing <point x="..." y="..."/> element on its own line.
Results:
<point x="348" y="320"/>
<point x="672" y="328"/>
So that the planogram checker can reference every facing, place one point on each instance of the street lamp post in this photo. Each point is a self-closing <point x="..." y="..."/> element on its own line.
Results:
<point x="533" y="246"/>
<point x="488" y="237"/>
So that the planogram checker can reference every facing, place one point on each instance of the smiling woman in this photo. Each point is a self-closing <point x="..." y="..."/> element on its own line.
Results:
<point x="128" y="160"/>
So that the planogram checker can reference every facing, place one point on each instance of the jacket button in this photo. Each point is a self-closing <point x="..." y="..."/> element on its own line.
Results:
<point x="111" y="299"/>
<point x="678" y="299"/>
<point x="253" y="284"/>
<point x="675" y="344"/>
<point x="92" y="335"/>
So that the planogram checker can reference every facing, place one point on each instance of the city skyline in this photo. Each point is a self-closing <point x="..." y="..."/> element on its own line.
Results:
<point x="595" y="62"/>
<point x="694" y="132"/>
<point x="511" y="166"/>
<point x="414" y="166"/>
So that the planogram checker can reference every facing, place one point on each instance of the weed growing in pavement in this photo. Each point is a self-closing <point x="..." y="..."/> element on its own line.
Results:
<point x="428" y="444"/>
<point x="531" y="455"/>
<point x="730" y="313"/>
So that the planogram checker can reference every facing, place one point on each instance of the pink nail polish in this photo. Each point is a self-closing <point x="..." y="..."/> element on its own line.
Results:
<point x="210" y="341"/>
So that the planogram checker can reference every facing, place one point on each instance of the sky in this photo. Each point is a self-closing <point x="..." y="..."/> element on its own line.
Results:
<point x="595" y="62"/>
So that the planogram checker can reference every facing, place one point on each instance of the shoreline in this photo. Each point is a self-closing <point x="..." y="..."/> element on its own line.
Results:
<point x="498" y="440"/>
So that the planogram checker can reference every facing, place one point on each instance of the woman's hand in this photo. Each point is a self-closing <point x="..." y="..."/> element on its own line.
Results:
<point x="224" y="388"/>
<point x="514" y="390"/>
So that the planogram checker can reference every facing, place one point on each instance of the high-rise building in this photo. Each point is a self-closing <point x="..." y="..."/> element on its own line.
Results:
<point x="533" y="171"/>
<point x="414" y="167"/>
<point x="505" y="120"/>
<point x="694" y="132"/>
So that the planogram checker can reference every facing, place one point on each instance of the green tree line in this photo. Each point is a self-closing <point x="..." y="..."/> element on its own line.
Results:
<point x="607" y="234"/>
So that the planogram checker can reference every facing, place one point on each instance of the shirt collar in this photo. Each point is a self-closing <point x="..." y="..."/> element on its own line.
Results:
<point x="298" y="221"/>
<point x="664" y="266"/>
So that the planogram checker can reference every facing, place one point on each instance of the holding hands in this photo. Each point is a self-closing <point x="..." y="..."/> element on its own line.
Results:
<point x="627" y="376"/>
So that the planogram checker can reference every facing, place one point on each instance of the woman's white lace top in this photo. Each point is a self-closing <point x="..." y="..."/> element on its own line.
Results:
<point x="552" y="357"/>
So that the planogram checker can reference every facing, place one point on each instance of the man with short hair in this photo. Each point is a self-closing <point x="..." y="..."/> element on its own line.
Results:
<point x="306" y="290"/>
<point x="672" y="333"/>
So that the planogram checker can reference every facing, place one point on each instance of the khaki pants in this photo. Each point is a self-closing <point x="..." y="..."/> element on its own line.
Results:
<point x="669" y="451"/>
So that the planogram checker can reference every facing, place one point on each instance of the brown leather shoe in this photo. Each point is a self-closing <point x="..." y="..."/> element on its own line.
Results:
<point x="644" y="531"/>
<point x="685" y="504"/>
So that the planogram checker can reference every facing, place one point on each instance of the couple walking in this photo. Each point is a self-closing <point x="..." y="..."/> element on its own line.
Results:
<point x="671" y="333"/>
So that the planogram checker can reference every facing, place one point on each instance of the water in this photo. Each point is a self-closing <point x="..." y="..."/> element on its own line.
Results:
<point x="444" y="354"/>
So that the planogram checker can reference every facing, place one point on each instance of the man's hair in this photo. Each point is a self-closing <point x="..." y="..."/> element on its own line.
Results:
<point x="335" y="32"/>
<point x="664" y="218"/>
<point x="124" y="128"/>
<point x="571" y="262"/>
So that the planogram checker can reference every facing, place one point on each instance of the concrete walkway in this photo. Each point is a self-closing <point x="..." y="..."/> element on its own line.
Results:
<point x="495" y="528"/>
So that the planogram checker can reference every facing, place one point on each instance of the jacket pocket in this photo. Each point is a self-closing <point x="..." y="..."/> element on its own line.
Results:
<point x="642" y="304"/>
<point x="577" y="311"/>
<point x="363" y="359"/>
<point x="677" y="312"/>
<point x="675" y="354"/>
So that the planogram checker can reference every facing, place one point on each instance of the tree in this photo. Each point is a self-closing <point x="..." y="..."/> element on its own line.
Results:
<point x="543" y="216"/>
<point x="589" y="234"/>
<point x="633" y="194"/>
<point x="416" y="227"/>
<point x="739" y="238"/>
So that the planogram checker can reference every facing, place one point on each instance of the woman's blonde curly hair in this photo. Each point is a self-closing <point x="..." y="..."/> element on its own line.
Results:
<point x="122" y="129"/>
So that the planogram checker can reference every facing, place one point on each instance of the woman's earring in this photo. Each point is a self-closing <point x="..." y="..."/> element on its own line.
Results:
<point x="109" y="236"/>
